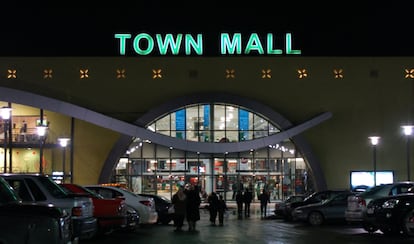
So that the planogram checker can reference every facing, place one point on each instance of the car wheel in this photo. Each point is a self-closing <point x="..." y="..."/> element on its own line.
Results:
<point x="408" y="223"/>
<point x="369" y="228"/>
<point x="315" y="218"/>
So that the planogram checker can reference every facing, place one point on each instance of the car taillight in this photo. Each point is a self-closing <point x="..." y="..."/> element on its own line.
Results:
<point x="362" y="202"/>
<point x="146" y="203"/>
<point x="77" y="211"/>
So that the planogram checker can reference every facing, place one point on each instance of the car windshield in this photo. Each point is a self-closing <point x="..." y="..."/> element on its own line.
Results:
<point x="52" y="187"/>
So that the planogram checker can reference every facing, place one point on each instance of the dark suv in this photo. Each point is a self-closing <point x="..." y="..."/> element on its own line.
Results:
<point x="315" y="197"/>
<point x="31" y="223"/>
<point x="40" y="189"/>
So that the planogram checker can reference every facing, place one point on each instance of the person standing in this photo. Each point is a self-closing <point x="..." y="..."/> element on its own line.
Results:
<point x="239" y="201"/>
<point x="247" y="197"/>
<point x="213" y="205"/>
<point x="193" y="206"/>
<point x="221" y="209"/>
<point x="179" y="200"/>
<point x="264" y="199"/>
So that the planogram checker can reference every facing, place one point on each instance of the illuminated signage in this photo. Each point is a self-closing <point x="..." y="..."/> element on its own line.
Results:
<point x="186" y="44"/>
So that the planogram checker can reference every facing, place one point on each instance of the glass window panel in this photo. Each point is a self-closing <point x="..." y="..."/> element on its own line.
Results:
<point x="218" y="135"/>
<point x="219" y="117"/>
<point x="192" y="135"/>
<point x="232" y="118"/>
<point x="205" y="121"/>
<point x="163" y="124"/>
<point x="192" y="118"/>
<point x="259" y="134"/>
<point x="273" y="129"/>
<point x="245" y="164"/>
<point x="151" y="127"/>
<point x="148" y="150"/>
<point x="261" y="164"/>
<point x="173" y="127"/>
<point x="260" y="123"/>
<point x="233" y="136"/>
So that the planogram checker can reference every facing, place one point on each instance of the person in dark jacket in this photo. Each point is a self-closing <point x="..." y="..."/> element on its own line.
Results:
<point x="239" y="201"/>
<point x="179" y="200"/>
<point x="264" y="199"/>
<point x="213" y="205"/>
<point x="221" y="209"/>
<point x="193" y="206"/>
<point x="247" y="197"/>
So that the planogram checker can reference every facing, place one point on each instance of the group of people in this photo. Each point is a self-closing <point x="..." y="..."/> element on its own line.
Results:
<point x="246" y="197"/>
<point x="186" y="202"/>
<point x="216" y="207"/>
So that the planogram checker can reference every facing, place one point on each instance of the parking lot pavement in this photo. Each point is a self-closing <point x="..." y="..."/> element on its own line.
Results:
<point x="253" y="229"/>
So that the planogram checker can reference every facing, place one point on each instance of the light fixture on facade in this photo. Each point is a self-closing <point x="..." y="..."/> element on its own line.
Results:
<point x="63" y="142"/>
<point x="41" y="130"/>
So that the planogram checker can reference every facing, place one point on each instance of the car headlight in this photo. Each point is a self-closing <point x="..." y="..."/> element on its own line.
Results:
<point x="390" y="203"/>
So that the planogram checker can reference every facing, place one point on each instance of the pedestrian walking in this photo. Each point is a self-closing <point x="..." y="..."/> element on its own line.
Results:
<point x="264" y="199"/>
<point x="239" y="201"/>
<point x="193" y="206"/>
<point x="179" y="200"/>
<point x="213" y="205"/>
<point x="247" y="197"/>
<point x="221" y="209"/>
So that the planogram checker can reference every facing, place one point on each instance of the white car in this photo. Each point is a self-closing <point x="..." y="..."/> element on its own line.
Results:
<point x="145" y="206"/>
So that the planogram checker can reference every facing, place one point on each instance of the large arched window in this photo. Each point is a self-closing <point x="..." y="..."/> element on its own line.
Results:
<point x="213" y="123"/>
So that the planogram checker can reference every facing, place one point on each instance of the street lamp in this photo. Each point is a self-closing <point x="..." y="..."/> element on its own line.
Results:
<point x="63" y="143"/>
<point x="408" y="130"/>
<point x="41" y="132"/>
<point x="374" y="141"/>
<point x="5" y="113"/>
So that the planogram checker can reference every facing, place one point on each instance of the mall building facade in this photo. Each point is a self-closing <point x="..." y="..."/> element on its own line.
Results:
<point x="291" y="125"/>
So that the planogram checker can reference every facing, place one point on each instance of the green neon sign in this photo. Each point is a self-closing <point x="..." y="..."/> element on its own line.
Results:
<point x="186" y="44"/>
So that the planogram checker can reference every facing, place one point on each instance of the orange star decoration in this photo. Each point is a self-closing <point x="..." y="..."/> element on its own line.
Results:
<point x="266" y="74"/>
<point x="302" y="73"/>
<point x="230" y="73"/>
<point x="338" y="73"/>
<point x="11" y="74"/>
<point x="47" y="74"/>
<point x="120" y="74"/>
<point x="84" y="73"/>
<point x="409" y="74"/>
<point x="156" y="74"/>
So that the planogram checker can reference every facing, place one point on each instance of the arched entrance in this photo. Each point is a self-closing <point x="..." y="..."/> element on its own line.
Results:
<point x="287" y="131"/>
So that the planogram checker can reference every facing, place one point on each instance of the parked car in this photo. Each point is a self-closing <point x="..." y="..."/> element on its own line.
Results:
<point x="392" y="214"/>
<point x="315" y="197"/>
<point x="357" y="204"/>
<point x="162" y="204"/>
<point x="111" y="213"/>
<point x="281" y="206"/>
<point x="31" y="223"/>
<point x="144" y="206"/>
<point x="40" y="189"/>
<point x="328" y="210"/>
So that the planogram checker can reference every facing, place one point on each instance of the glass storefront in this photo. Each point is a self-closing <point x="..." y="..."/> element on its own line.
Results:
<point x="282" y="174"/>
<point x="157" y="169"/>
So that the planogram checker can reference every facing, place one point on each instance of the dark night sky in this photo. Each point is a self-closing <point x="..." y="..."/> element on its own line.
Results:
<point x="367" y="29"/>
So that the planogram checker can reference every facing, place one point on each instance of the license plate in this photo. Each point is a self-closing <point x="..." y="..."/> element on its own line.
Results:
<point x="370" y="211"/>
